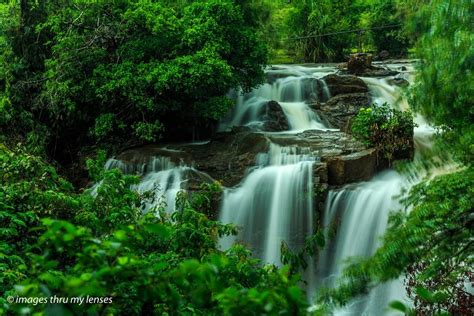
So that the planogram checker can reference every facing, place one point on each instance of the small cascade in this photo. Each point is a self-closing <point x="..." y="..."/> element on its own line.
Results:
<point x="274" y="203"/>
<point x="292" y="88"/>
<point x="361" y="212"/>
<point x="159" y="175"/>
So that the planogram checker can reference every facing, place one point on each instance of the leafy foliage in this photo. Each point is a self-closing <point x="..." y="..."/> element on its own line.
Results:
<point x="443" y="91"/>
<point x="330" y="30"/>
<point x="99" y="77"/>
<point x="312" y="18"/>
<point x="388" y="130"/>
<point x="57" y="242"/>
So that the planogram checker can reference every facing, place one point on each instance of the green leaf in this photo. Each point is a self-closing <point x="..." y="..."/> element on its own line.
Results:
<point x="399" y="306"/>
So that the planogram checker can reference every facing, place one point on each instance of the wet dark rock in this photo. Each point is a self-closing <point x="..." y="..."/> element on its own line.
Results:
<point x="360" y="64"/>
<point x="274" y="118"/>
<point x="383" y="55"/>
<point x="379" y="72"/>
<point x="321" y="187"/>
<point x="195" y="178"/>
<point x="321" y="144"/>
<point x="355" y="167"/>
<point x="340" y="110"/>
<point x="343" y="84"/>
<point x="397" y="81"/>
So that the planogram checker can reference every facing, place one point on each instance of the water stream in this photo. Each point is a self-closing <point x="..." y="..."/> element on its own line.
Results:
<point x="273" y="204"/>
<point x="290" y="86"/>
<point x="275" y="201"/>
<point x="160" y="176"/>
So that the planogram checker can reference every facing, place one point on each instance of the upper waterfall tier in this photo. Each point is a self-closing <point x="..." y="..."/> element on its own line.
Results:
<point x="293" y="88"/>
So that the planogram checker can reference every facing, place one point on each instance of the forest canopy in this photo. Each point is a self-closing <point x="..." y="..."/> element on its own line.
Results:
<point x="105" y="72"/>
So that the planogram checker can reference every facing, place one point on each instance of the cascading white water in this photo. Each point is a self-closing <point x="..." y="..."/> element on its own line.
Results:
<point x="362" y="212"/>
<point x="161" y="176"/>
<point x="273" y="204"/>
<point x="292" y="87"/>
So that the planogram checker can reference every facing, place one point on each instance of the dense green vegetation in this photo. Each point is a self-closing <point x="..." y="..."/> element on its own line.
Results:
<point x="389" y="131"/>
<point x="121" y="72"/>
<point x="319" y="31"/>
<point x="54" y="241"/>
<point x="81" y="76"/>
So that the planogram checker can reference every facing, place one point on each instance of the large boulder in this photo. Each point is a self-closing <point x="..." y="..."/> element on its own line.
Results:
<point x="360" y="64"/>
<point x="274" y="118"/>
<point x="343" y="84"/>
<point x="340" y="110"/>
<point x="355" y="167"/>
<point x="228" y="156"/>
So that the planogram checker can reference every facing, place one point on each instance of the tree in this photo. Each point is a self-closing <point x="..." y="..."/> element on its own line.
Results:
<point x="317" y="18"/>
<point x="132" y="71"/>
<point x="388" y="130"/>
<point x="391" y="39"/>
<point x="445" y="88"/>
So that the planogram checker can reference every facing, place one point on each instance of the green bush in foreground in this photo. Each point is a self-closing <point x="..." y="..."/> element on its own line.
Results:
<point x="55" y="242"/>
<point x="388" y="130"/>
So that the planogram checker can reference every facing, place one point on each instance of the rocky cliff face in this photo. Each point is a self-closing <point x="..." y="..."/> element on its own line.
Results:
<point x="227" y="157"/>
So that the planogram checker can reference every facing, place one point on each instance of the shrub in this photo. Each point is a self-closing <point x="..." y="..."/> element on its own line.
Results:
<point x="388" y="130"/>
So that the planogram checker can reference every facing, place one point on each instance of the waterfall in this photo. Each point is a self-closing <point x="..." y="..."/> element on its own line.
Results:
<point x="159" y="175"/>
<point x="274" y="203"/>
<point x="361" y="212"/>
<point x="292" y="88"/>
<point x="275" y="200"/>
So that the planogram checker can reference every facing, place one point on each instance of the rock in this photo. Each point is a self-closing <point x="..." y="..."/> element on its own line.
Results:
<point x="340" y="110"/>
<point x="379" y="72"/>
<point x="141" y="160"/>
<point x="274" y="118"/>
<point x="401" y="82"/>
<point x="228" y="157"/>
<point x="359" y="166"/>
<point x="195" y="178"/>
<point x="320" y="189"/>
<point x="358" y="63"/>
<point x="338" y="84"/>
<point x="384" y="55"/>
